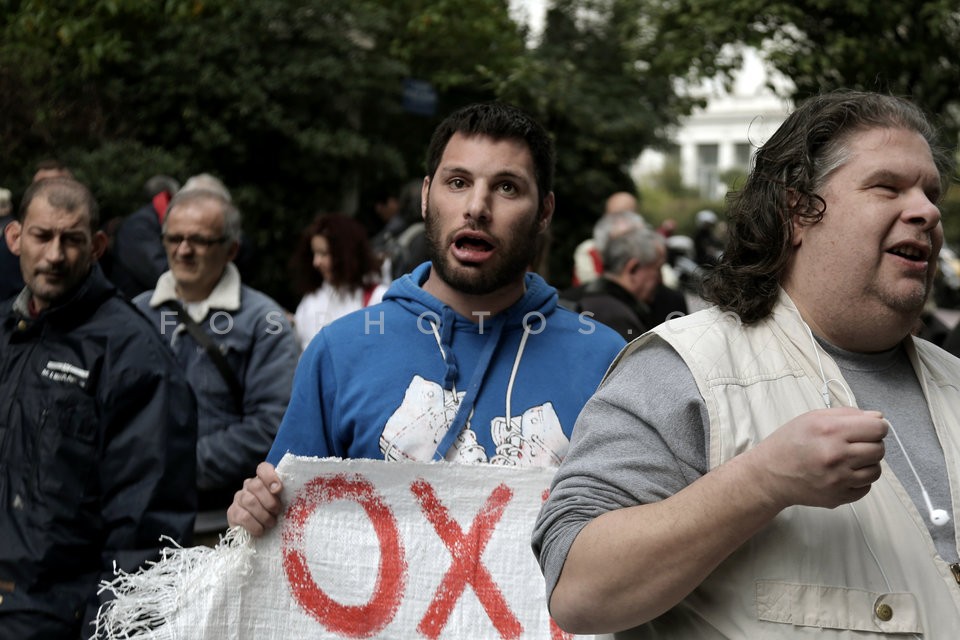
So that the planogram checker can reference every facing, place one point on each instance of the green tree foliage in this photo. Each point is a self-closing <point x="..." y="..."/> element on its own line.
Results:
<point x="905" y="47"/>
<point x="602" y="84"/>
<point x="298" y="104"/>
<point x="284" y="101"/>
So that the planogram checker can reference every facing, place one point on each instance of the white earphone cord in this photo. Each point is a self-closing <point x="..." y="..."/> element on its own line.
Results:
<point x="938" y="517"/>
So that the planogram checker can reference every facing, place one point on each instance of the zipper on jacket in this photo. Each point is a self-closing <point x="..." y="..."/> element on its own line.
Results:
<point x="955" y="570"/>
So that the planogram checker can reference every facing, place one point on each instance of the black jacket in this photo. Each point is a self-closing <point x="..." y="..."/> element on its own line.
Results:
<point x="610" y="304"/>
<point x="97" y="451"/>
<point x="138" y="254"/>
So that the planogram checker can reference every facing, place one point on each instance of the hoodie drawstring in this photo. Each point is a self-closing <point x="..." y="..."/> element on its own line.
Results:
<point x="465" y="406"/>
<point x="446" y="360"/>
<point x="516" y="366"/>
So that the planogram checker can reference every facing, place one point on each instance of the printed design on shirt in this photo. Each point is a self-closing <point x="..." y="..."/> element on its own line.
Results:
<point x="420" y="423"/>
<point x="534" y="439"/>
<point x="65" y="372"/>
<point x="413" y="432"/>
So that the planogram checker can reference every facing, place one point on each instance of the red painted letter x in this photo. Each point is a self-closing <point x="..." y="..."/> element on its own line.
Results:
<point x="466" y="566"/>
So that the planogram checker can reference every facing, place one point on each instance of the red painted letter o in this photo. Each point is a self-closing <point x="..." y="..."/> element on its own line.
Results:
<point x="353" y="621"/>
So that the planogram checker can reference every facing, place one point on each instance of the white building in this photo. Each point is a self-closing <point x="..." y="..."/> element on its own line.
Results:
<point x="724" y="134"/>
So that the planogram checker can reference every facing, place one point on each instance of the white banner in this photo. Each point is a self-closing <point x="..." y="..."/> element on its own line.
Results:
<point x="365" y="549"/>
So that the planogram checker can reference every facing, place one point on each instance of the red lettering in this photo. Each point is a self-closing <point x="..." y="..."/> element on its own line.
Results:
<point x="352" y="621"/>
<point x="466" y="566"/>
<point x="556" y="633"/>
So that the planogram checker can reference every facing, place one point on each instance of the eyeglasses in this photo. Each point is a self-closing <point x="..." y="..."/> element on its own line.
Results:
<point x="174" y="240"/>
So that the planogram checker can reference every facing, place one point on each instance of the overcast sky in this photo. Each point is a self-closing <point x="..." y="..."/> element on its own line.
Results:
<point x="530" y="12"/>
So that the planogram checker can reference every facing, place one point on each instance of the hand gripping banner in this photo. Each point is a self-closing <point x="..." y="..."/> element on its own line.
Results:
<point x="364" y="549"/>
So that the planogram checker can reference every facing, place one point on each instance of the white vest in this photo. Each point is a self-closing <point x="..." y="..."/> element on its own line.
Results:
<point x="864" y="570"/>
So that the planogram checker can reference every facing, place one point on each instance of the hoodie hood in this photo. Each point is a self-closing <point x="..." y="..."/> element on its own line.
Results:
<point x="408" y="292"/>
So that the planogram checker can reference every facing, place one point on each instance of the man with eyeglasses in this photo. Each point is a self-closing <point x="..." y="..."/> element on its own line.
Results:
<point x="234" y="344"/>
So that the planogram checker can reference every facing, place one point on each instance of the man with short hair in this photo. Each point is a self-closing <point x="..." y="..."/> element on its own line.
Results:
<point x="234" y="344"/>
<point x="97" y="425"/>
<point x="632" y="257"/>
<point x="588" y="255"/>
<point x="468" y="358"/>
<point x="784" y="463"/>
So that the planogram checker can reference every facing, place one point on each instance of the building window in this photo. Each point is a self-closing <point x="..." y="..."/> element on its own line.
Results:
<point x="708" y="159"/>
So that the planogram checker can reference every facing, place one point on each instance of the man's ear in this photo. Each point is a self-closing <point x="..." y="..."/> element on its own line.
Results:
<point x="233" y="250"/>
<point x="424" y="192"/>
<point x="546" y="212"/>
<point x="794" y="204"/>
<point x="12" y="235"/>
<point x="100" y="242"/>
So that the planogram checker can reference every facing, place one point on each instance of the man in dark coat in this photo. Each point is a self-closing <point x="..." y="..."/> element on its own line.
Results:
<point x="97" y="425"/>
<point x="632" y="257"/>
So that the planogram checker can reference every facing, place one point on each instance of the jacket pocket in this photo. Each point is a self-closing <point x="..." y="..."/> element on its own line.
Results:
<point x="68" y="450"/>
<point x="829" y="607"/>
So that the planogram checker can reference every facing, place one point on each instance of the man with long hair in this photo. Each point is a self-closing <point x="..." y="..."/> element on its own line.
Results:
<point x="786" y="460"/>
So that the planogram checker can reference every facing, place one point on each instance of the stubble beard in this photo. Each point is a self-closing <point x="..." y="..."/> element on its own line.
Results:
<point x="68" y="280"/>
<point x="514" y="255"/>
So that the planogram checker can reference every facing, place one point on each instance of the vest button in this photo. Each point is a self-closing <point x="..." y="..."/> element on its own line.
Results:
<point x="22" y="325"/>
<point x="884" y="611"/>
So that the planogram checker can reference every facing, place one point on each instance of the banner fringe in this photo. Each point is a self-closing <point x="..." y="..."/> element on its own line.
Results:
<point x="144" y="602"/>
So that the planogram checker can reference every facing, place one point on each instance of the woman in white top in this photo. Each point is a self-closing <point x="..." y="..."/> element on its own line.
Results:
<point x="336" y="271"/>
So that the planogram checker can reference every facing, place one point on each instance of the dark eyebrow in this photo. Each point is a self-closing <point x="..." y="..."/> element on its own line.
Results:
<point x="516" y="176"/>
<point x="455" y="170"/>
<point x="452" y="170"/>
<point x="34" y="228"/>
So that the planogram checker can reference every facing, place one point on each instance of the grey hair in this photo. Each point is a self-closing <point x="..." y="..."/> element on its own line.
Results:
<point x="158" y="184"/>
<point x="232" y="224"/>
<point x="789" y="172"/>
<point x="626" y="237"/>
<point x="615" y="222"/>
<point x="207" y="182"/>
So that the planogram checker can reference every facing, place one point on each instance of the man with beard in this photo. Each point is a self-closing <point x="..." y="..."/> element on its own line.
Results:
<point x="782" y="464"/>
<point x="468" y="358"/>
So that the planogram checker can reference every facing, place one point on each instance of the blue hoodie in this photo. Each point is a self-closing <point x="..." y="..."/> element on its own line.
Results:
<point x="410" y="379"/>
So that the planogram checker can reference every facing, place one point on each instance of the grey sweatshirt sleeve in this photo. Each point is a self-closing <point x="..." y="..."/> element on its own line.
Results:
<point x="639" y="439"/>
